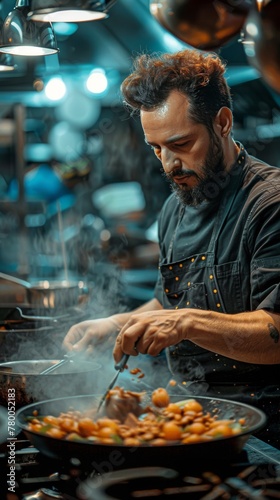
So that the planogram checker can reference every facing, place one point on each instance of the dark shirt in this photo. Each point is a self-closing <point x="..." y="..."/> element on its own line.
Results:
<point x="224" y="255"/>
<point x="247" y="250"/>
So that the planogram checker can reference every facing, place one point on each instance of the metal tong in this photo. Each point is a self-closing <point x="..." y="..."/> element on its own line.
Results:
<point x="119" y="367"/>
<point x="66" y="359"/>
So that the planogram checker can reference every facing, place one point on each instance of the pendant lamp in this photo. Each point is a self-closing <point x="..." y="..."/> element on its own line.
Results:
<point x="23" y="37"/>
<point x="69" y="10"/>
<point x="6" y="63"/>
<point x="205" y="25"/>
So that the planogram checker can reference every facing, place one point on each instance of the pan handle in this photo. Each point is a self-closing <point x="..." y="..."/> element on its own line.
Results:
<point x="14" y="280"/>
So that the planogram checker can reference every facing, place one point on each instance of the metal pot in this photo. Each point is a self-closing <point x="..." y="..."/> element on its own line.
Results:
<point x="28" y="386"/>
<point x="58" y="294"/>
<point x="121" y="457"/>
<point x="42" y="294"/>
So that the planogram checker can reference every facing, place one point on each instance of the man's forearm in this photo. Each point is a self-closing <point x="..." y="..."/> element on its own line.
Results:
<point x="252" y="337"/>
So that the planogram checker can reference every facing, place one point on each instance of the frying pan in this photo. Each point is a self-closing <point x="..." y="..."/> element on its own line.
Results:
<point x="24" y="376"/>
<point x="104" y="457"/>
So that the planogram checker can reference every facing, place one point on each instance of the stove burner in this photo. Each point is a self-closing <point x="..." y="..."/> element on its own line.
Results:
<point x="252" y="476"/>
<point x="253" y="482"/>
<point x="258" y="482"/>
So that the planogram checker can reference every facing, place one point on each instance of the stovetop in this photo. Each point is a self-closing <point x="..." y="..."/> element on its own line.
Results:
<point x="25" y="329"/>
<point x="255" y="474"/>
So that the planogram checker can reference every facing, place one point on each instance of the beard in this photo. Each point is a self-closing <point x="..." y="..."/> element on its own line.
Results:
<point x="211" y="181"/>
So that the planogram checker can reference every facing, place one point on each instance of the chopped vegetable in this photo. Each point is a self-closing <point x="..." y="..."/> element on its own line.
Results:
<point x="181" y="423"/>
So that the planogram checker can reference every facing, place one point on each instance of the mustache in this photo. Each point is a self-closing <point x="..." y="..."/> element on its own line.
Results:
<point x="180" y="172"/>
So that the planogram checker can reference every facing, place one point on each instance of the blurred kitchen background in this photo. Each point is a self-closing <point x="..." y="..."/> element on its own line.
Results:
<point x="79" y="189"/>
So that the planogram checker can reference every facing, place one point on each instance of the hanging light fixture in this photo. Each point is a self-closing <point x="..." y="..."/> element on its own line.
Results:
<point x="69" y="10"/>
<point x="205" y="25"/>
<point x="6" y="63"/>
<point x="22" y="36"/>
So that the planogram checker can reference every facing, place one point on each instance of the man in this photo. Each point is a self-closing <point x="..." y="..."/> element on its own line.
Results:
<point x="217" y="300"/>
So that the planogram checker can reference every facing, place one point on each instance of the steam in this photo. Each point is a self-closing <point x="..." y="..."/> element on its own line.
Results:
<point x="74" y="246"/>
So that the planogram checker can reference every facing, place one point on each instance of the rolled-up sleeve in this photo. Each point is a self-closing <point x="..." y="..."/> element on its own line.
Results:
<point x="266" y="285"/>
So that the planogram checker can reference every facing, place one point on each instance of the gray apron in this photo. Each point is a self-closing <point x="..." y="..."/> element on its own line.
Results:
<point x="197" y="282"/>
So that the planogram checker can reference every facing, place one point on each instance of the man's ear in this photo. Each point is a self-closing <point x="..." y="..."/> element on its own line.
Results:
<point x="223" y="122"/>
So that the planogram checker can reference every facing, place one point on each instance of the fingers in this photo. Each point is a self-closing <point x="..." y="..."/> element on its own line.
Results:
<point x="118" y="350"/>
<point x="77" y="338"/>
<point x="127" y="342"/>
<point x="71" y="339"/>
<point x="139" y="338"/>
<point x="84" y="344"/>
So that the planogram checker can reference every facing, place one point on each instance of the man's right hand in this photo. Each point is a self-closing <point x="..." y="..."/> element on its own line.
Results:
<point x="85" y="336"/>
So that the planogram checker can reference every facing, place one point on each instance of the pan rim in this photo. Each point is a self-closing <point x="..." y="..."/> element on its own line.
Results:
<point x="90" y="366"/>
<point x="243" y="434"/>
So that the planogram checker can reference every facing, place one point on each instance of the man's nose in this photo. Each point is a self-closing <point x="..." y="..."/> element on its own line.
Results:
<point x="170" y="161"/>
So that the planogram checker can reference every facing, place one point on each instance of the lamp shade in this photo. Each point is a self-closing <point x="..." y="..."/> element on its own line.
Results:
<point x="262" y="31"/>
<point x="24" y="37"/>
<point x="69" y="10"/>
<point x="205" y="25"/>
<point x="6" y="63"/>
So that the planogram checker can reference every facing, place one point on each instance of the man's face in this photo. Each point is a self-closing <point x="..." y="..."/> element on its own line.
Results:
<point x="189" y="154"/>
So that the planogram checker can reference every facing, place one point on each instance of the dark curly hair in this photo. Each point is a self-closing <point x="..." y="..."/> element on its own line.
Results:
<point x="199" y="76"/>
